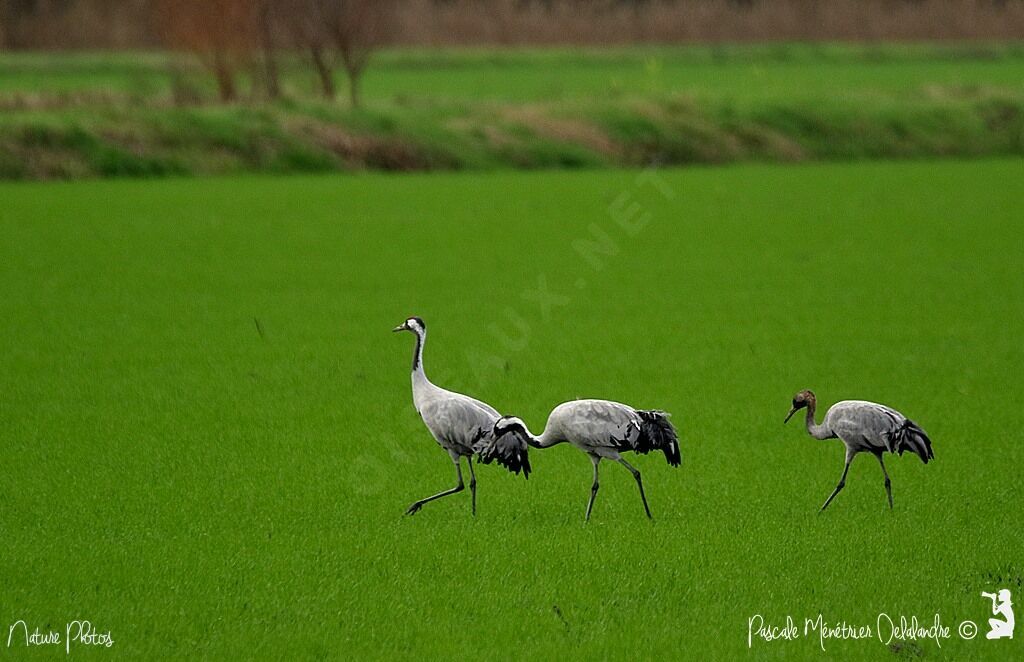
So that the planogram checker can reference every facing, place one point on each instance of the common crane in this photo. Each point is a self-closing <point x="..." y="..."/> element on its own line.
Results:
<point x="460" y="424"/>
<point x="864" y="427"/>
<point x="601" y="429"/>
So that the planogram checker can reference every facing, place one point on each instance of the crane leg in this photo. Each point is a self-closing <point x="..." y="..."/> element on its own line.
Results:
<point x="842" y="482"/>
<point x="472" y="481"/>
<point x="593" y="488"/>
<point x="888" y="483"/>
<point x="639" y="483"/>
<point x="414" y="508"/>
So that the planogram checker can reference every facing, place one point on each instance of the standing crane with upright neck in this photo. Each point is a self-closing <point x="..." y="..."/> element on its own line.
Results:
<point x="461" y="425"/>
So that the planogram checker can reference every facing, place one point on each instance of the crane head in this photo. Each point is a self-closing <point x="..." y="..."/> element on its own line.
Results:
<point x="517" y="428"/>
<point x="802" y="399"/>
<point x="507" y="424"/>
<point x="414" y="324"/>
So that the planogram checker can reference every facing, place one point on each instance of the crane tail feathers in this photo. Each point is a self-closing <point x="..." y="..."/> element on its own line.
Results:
<point x="910" y="437"/>
<point x="509" y="451"/>
<point x="658" y="434"/>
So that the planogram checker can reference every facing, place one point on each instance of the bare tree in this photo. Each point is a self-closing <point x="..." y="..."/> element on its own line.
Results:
<point x="5" y="19"/>
<point x="306" y="23"/>
<point x="358" y="28"/>
<point x="265" y="24"/>
<point x="219" y="32"/>
<point x="340" y="32"/>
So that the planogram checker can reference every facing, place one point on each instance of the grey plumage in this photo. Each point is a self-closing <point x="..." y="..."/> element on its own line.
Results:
<point x="461" y="425"/>
<point x="603" y="430"/>
<point x="864" y="427"/>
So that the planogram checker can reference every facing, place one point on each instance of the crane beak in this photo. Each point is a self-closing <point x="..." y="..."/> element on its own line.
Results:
<point x="790" y="415"/>
<point x="400" y="327"/>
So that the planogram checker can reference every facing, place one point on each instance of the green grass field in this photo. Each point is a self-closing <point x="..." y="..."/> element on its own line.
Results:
<point x="70" y="116"/>
<point x="205" y="488"/>
<point x="740" y="74"/>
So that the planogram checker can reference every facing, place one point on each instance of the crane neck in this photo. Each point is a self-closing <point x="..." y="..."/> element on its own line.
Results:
<point x="421" y="386"/>
<point x="813" y="429"/>
<point x="544" y="440"/>
<point x="418" y="375"/>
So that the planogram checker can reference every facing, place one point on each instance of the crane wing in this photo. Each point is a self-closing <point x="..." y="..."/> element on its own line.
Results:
<point x="881" y="426"/>
<point x="601" y="422"/>
<point x="457" y="421"/>
<point x="486" y="407"/>
<point x="467" y="425"/>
